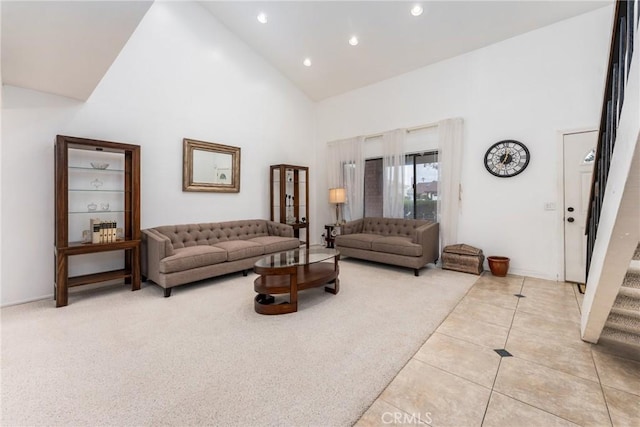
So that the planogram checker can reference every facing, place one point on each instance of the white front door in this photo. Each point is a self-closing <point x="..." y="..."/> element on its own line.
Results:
<point x="579" y="153"/>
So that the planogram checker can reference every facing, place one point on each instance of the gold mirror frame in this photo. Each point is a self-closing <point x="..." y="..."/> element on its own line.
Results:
<point x="210" y="167"/>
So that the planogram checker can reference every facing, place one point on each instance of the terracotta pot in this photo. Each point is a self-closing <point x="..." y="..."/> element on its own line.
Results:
<point x="499" y="265"/>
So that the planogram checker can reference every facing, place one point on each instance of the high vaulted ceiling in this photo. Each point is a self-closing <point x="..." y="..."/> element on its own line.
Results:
<point x="391" y="40"/>
<point x="66" y="47"/>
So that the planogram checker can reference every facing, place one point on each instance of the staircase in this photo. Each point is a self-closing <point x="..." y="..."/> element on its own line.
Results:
<point x="622" y="328"/>
<point x="611" y="305"/>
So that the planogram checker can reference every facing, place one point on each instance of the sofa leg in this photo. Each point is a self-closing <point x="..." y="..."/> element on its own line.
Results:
<point x="167" y="292"/>
<point x="416" y="272"/>
<point x="245" y="272"/>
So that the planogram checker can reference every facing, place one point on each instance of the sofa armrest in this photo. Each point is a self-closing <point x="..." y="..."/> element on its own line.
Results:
<point x="352" y="227"/>
<point x="279" y="229"/>
<point x="428" y="236"/>
<point x="155" y="247"/>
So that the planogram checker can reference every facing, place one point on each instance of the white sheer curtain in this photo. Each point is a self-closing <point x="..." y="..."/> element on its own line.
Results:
<point x="393" y="160"/>
<point x="346" y="169"/>
<point x="450" y="136"/>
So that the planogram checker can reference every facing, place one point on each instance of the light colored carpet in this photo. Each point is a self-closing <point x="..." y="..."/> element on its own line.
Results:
<point x="204" y="357"/>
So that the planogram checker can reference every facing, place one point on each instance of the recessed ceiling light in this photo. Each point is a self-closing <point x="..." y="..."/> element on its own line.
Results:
<point x="417" y="10"/>
<point x="262" y="18"/>
<point x="307" y="62"/>
<point x="353" y="41"/>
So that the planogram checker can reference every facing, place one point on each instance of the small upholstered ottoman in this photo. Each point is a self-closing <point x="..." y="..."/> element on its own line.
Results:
<point x="464" y="258"/>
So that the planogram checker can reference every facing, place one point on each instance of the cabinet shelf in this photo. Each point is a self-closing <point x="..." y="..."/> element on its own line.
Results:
<point x="90" y="169"/>
<point x="119" y="188"/>
<point x="79" y="248"/>
<point x="75" y="244"/>
<point x="97" y="212"/>
<point x="99" y="277"/>
<point x="96" y="191"/>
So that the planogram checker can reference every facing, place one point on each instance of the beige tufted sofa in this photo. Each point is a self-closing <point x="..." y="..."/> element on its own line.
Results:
<point x="173" y="255"/>
<point x="405" y="242"/>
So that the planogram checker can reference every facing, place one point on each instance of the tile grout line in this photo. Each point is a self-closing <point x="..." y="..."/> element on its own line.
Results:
<point x="451" y="373"/>
<point x="515" y="310"/>
<point x="604" y="396"/>
<point x="575" y="295"/>
<point x="535" y="407"/>
<point x="465" y="340"/>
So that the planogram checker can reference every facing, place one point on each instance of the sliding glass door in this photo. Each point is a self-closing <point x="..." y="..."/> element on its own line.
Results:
<point x="421" y="178"/>
<point x="420" y="189"/>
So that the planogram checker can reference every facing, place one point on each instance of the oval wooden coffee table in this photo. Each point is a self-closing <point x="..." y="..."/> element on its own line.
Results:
<point x="292" y="271"/>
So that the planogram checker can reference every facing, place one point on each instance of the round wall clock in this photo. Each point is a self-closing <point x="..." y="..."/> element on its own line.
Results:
<point x="506" y="158"/>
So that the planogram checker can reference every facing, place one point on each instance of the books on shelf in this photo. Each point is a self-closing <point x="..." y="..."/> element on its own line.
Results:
<point x="103" y="231"/>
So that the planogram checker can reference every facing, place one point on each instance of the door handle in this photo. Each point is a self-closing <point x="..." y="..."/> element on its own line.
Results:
<point x="570" y="219"/>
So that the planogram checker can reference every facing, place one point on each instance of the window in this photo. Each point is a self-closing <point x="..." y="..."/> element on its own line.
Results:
<point x="421" y="186"/>
<point x="590" y="157"/>
<point x="373" y="188"/>
<point x="421" y="183"/>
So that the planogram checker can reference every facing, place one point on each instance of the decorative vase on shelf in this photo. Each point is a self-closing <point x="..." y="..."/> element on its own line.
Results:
<point x="499" y="265"/>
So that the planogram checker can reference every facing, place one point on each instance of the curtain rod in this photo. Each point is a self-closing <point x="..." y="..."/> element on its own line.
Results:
<point x="409" y="130"/>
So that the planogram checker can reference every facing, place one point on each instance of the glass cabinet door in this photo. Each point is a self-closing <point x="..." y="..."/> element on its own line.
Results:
<point x="96" y="186"/>
<point x="290" y="198"/>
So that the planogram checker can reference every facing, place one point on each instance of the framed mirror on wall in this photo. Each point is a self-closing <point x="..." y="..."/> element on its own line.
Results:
<point x="210" y="167"/>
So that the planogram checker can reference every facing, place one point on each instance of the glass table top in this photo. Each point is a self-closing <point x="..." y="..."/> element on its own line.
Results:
<point x="301" y="256"/>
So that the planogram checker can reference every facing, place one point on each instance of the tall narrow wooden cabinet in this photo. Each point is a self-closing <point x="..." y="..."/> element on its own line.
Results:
<point x="97" y="210"/>
<point x="290" y="198"/>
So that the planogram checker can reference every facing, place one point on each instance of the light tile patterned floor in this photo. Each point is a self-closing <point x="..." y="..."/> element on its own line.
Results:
<point x="552" y="378"/>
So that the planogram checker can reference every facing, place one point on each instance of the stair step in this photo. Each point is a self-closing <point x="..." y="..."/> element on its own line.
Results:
<point x="614" y="346"/>
<point x="616" y="335"/>
<point x="628" y="298"/>
<point x="632" y="279"/>
<point x="624" y="320"/>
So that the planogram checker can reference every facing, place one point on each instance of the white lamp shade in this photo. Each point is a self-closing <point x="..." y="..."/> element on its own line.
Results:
<point x="337" y="195"/>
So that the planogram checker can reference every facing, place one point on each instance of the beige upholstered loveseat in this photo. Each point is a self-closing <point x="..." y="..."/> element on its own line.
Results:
<point x="405" y="242"/>
<point x="173" y="255"/>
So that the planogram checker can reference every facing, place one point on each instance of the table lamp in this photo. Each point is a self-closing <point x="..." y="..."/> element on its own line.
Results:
<point x="337" y="196"/>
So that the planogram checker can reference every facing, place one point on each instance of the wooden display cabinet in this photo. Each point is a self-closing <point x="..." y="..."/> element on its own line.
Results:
<point x="95" y="179"/>
<point x="290" y="198"/>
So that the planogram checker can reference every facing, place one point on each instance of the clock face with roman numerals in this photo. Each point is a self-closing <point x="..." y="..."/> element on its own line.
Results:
<point x="507" y="158"/>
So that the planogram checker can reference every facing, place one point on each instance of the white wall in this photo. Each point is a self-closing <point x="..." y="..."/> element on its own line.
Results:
<point x="181" y="75"/>
<point x="526" y="88"/>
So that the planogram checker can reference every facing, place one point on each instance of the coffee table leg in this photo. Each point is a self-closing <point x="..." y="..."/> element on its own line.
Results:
<point x="293" y="294"/>
<point x="335" y="289"/>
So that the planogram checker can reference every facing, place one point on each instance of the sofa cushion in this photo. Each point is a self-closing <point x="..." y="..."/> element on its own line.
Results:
<point x="397" y="245"/>
<point x="186" y="235"/>
<point x="357" y="241"/>
<point x="240" y="249"/>
<point x="192" y="257"/>
<point x="276" y="244"/>
<point x="392" y="226"/>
